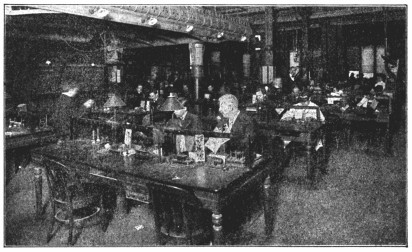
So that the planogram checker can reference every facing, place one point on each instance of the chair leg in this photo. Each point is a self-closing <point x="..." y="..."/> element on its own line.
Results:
<point x="71" y="226"/>
<point x="52" y="221"/>
<point x="77" y="235"/>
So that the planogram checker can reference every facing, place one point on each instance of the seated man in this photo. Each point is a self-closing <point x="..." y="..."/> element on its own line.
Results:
<point x="234" y="121"/>
<point x="380" y="82"/>
<point x="184" y="120"/>
<point x="303" y="114"/>
<point x="294" y="96"/>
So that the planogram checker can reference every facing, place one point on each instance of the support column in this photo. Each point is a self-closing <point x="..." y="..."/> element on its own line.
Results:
<point x="325" y="50"/>
<point x="306" y="59"/>
<point x="268" y="71"/>
<point x="196" y="62"/>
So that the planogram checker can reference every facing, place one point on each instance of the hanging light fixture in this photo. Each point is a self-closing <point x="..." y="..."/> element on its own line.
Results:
<point x="101" y="13"/>
<point x="189" y="28"/>
<point x="152" y="21"/>
<point x="220" y="35"/>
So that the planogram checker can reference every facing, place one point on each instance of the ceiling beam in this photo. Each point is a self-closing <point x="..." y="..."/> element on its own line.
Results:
<point x="173" y="18"/>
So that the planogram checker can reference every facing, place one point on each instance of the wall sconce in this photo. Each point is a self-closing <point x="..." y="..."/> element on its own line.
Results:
<point x="189" y="28"/>
<point x="220" y="35"/>
<point x="92" y="64"/>
<point x="152" y="21"/>
<point x="48" y="62"/>
<point x="243" y="38"/>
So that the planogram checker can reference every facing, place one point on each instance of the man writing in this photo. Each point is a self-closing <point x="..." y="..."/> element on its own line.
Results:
<point x="184" y="120"/>
<point x="234" y="121"/>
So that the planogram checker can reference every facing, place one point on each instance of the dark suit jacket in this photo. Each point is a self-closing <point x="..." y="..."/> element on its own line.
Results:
<point x="191" y="122"/>
<point x="65" y="108"/>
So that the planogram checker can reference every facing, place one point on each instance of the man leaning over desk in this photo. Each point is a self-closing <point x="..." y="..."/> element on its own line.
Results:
<point x="186" y="121"/>
<point x="303" y="114"/>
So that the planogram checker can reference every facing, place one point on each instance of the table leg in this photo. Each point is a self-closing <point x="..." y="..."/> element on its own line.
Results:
<point x="324" y="163"/>
<point x="268" y="213"/>
<point x="309" y="170"/>
<point x="388" y="140"/>
<point x="38" y="190"/>
<point x="121" y="204"/>
<point x="217" y="228"/>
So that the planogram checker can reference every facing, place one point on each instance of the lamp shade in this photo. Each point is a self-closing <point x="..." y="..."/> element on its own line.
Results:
<point x="171" y="104"/>
<point x="114" y="101"/>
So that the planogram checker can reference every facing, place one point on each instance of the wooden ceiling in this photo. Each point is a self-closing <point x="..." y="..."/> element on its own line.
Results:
<point x="79" y="23"/>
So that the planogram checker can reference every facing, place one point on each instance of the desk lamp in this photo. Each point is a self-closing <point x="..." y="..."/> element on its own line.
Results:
<point x="114" y="102"/>
<point x="171" y="103"/>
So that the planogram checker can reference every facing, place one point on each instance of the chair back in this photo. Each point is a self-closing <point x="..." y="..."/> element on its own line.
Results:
<point x="60" y="179"/>
<point x="177" y="213"/>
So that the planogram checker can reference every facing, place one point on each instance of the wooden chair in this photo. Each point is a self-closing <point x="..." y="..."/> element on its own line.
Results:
<point x="179" y="216"/>
<point x="73" y="202"/>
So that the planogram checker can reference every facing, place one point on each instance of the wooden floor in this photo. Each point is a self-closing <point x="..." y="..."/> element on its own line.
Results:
<point x="361" y="201"/>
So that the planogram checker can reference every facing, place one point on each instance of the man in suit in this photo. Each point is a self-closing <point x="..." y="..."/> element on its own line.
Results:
<point x="155" y="99"/>
<point x="236" y="122"/>
<point x="292" y="80"/>
<point x="184" y="120"/>
<point x="66" y="107"/>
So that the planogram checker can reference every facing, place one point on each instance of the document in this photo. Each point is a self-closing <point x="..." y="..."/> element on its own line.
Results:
<point x="214" y="143"/>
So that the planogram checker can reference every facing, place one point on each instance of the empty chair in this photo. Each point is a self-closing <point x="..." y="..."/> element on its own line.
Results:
<point x="179" y="216"/>
<point x="73" y="202"/>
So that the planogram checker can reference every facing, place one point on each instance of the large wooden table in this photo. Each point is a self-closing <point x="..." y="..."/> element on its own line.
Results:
<point x="214" y="186"/>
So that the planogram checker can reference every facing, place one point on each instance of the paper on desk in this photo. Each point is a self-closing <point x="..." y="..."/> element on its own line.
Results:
<point x="320" y="144"/>
<point x="214" y="143"/>
<point x="279" y="110"/>
<point x="344" y="108"/>
<point x="363" y="102"/>
<point x="374" y="104"/>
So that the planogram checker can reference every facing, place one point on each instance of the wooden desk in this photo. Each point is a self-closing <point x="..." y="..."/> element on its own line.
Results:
<point x="18" y="138"/>
<point x="353" y="118"/>
<point x="20" y="141"/>
<point x="308" y="134"/>
<point x="215" y="187"/>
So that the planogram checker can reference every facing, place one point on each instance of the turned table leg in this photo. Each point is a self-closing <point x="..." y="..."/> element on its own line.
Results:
<point x="268" y="206"/>
<point x="217" y="228"/>
<point x="38" y="190"/>
<point x="121" y="204"/>
<point x="309" y="168"/>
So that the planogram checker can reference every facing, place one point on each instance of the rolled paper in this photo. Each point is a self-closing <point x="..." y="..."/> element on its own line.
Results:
<point x="98" y="135"/>
<point x="93" y="135"/>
